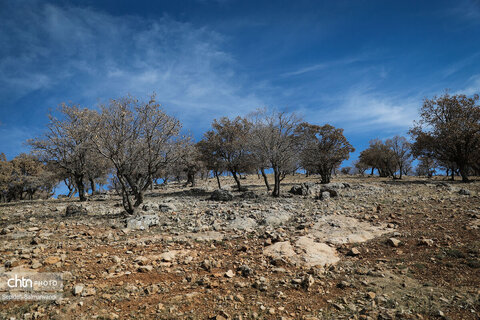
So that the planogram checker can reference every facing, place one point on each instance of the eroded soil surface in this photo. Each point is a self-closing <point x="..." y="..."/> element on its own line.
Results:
<point x="380" y="249"/>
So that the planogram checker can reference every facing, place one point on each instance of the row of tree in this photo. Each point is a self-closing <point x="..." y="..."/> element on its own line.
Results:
<point x="446" y="138"/>
<point x="134" y="144"/>
<point x="275" y="141"/>
<point x="392" y="158"/>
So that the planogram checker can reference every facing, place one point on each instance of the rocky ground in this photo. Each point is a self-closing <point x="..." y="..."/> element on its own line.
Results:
<point x="360" y="248"/>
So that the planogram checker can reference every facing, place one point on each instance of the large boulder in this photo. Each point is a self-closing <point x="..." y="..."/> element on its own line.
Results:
<point x="305" y="251"/>
<point x="275" y="218"/>
<point x="142" y="222"/>
<point x="243" y="223"/>
<point x="332" y="193"/>
<point x="304" y="189"/>
<point x="75" y="210"/>
<point x="337" y="185"/>
<point x="221" y="195"/>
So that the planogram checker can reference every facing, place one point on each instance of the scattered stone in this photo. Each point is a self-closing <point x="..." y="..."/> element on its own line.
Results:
<point x="167" y="207"/>
<point x="243" y="223"/>
<point x="145" y="268"/>
<point x="149" y="206"/>
<point x="425" y="242"/>
<point x="344" y="284"/>
<point x="307" y="281"/>
<point x="394" y="242"/>
<point x="221" y="195"/>
<point x="78" y="289"/>
<point x="229" y="274"/>
<point x="245" y="270"/>
<point x="141" y="260"/>
<point x="87" y="292"/>
<point x="249" y="195"/>
<point x="51" y="260"/>
<point x="464" y="192"/>
<point x="75" y="210"/>
<point x="354" y="252"/>
<point x="142" y="222"/>
<point x="325" y="195"/>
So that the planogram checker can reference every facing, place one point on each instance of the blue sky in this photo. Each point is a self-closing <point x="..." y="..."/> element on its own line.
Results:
<point x="364" y="66"/>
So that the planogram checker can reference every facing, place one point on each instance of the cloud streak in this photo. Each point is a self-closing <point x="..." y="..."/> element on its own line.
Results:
<point x="92" y="56"/>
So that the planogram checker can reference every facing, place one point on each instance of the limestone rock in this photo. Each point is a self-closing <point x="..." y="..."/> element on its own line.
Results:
<point x="221" y="195"/>
<point x="75" y="210"/>
<point x="142" y="222"/>
<point x="394" y="242"/>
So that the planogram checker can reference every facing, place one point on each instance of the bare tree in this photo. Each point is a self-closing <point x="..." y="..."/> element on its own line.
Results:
<point x="400" y="148"/>
<point x="449" y="131"/>
<point x="210" y="159"/>
<point x="139" y="139"/>
<point x="273" y="144"/>
<point x="189" y="160"/>
<point x="68" y="142"/>
<point x="324" y="148"/>
<point x="226" y="146"/>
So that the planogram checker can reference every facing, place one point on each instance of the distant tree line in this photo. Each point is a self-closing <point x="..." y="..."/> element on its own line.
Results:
<point x="134" y="144"/>
<point x="446" y="138"/>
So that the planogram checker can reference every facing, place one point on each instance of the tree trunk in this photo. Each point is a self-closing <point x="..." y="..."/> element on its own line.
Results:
<point x="265" y="179"/>
<point x="463" y="173"/>
<point x="218" y="179"/>
<point x="234" y="173"/>
<point x="138" y="199"/>
<point x="126" y="201"/>
<point x="92" y="186"/>
<point x="190" y="179"/>
<point x="325" y="178"/>
<point x="276" y="187"/>
<point x="80" y="187"/>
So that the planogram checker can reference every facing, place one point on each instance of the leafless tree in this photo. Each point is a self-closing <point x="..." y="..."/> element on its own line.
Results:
<point x="138" y="138"/>
<point x="189" y="160"/>
<point x="68" y="143"/>
<point x="226" y="146"/>
<point x="274" y="144"/>
<point x="209" y="157"/>
<point x="400" y="148"/>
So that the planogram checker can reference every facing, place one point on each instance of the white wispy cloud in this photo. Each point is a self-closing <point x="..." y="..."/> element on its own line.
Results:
<point x="460" y="64"/>
<point x="472" y="87"/>
<point x="92" y="56"/>
<point x="321" y="66"/>
<point x="361" y="110"/>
